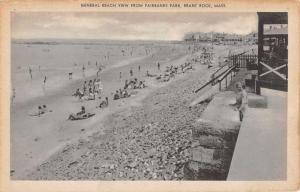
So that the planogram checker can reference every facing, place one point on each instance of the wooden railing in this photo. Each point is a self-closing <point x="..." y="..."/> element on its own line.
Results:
<point x="219" y="78"/>
<point x="241" y="60"/>
<point x="230" y="72"/>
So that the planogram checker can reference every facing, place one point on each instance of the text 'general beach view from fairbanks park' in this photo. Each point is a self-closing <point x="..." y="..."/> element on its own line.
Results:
<point x="148" y="96"/>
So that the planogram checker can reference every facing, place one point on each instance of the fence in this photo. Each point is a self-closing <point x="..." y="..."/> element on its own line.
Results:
<point x="248" y="61"/>
<point x="241" y="60"/>
<point x="219" y="78"/>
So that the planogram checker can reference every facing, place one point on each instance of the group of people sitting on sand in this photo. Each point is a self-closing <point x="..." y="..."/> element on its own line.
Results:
<point x="186" y="66"/>
<point x="134" y="84"/>
<point x="121" y="93"/>
<point x="82" y="114"/>
<point x="172" y="70"/>
<point x="42" y="109"/>
<point x="89" y="90"/>
<point x="103" y="103"/>
<point x="168" y="73"/>
<point x="92" y="88"/>
<point x="129" y="84"/>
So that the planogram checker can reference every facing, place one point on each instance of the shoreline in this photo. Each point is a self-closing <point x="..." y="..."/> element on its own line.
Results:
<point x="60" y="131"/>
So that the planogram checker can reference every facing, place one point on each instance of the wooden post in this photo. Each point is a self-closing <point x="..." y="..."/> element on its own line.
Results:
<point x="260" y="50"/>
<point x="226" y="81"/>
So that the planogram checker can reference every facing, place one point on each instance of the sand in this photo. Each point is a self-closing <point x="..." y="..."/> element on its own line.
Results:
<point x="51" y="147"/>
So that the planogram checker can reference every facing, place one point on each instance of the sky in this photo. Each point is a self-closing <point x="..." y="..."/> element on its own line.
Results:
<point x="126" y="26"/>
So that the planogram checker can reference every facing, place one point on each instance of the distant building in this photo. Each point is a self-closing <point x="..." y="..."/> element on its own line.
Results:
<point x="223" y="38"/>
<point x="251" y="38"/>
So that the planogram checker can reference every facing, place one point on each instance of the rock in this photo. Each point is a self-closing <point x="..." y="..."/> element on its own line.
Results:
<point x="72" y="163"/>
<point x="112" y="167"/>
<point x="133" y="164"/>
<point x="151" y="152"/>
<point x="201" y="154"/>
<point x="167" y="177"/>
<point x="211" y="142"/>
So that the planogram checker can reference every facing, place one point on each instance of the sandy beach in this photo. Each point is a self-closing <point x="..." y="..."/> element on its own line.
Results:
<point x="114" y="144"/>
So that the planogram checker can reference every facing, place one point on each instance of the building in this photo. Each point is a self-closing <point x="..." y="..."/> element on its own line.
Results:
<point x="272" y="51"/>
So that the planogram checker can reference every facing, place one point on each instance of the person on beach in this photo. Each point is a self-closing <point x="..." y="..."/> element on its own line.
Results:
<point x="83" y="71"/>
<point x="126" y="94"/>
<point x="131" y="72"/>
<point x="141" y="85"/>
<point x="80" y="115"/>
<point x="78" y="93"/>
<point x="244" y="103"/>
<point x="120" y="75"/>
<point x="90" y="83"/>
<point x="158" y="66"/>
<point x="84" y="88"/>
<point x="104" y="103"/>
<point x="241" y="100"/>
<point x="121" y="93"/>
<point x="82" y="111"/>
<point x="44" y="84"/>
<point x="92" y="96"/>
<point x="139" y="68"/>
<point x="30" y="73"/>
<point x="98" y="71"/>
<point x="98" y="86"/>
<point x="40" y="111"/>
<point x="45" y="80"/>
<point x="45" y="109"/>
<point x="116" y="95"/>
<point x="126" y="84"/>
